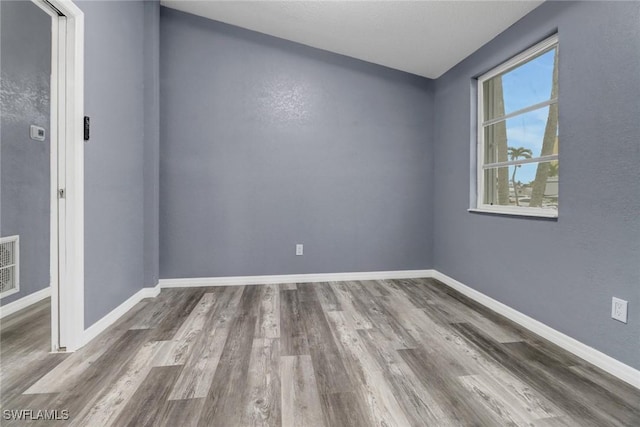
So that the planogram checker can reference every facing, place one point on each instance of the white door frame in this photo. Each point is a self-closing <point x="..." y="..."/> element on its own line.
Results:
<point x="67" y="174"/>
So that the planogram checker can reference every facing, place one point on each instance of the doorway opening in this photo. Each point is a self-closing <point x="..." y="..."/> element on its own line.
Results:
<point x="67" y="189"/>
<point x="59" y="134"/>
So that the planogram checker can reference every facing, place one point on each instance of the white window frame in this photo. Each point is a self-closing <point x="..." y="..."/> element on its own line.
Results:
<point x="516" y="61"/>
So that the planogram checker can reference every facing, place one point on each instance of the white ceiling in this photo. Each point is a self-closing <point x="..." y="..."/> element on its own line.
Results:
<point x="421" y="37"/>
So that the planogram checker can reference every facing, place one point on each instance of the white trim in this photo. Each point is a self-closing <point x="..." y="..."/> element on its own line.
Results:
<point x="67" y="258"/>
<point x="519" y="112"/>
<point x="72" y="317"/>
<point x="524" y="56"/>
<point x="16" y="263"/>
<point x="108" y="320"/>
<point x="293" y="278"/>
<point x="541" y="159"/>
<point x="515" y="211"/>
<point x="115" y="314"/>
<point x="506" y="66"/>
<point x="54" y="237"/>
<point x="24" y="302"/>
<point x="479" y="151"/>
<point x="590" y="354"/>
<point x="12" y="291"/>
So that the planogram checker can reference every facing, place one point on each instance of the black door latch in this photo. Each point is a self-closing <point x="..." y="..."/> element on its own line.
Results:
<point x="86" y="128"/>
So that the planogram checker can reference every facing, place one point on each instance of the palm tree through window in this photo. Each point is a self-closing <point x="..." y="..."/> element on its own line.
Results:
<point x="518" y="134"/>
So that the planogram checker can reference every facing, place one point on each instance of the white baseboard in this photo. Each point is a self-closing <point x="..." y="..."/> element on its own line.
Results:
<point x="102" y="324"/>
<point x="94" y="330"/>
<point x="24" y="302"/>
<point x="293" y="278"/>
<point x="590" y="354"/>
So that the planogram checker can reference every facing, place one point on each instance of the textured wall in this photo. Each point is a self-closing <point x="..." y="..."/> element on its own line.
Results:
<point x="151" y="141"/>
<point x="267" y="143"/>
<point x="25" y="57"/>
<point x="562" y="272"/>
<point x="116" y="173"/>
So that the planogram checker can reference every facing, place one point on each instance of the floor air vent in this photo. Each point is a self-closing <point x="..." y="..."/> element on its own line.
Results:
<point x="9" y="265"/>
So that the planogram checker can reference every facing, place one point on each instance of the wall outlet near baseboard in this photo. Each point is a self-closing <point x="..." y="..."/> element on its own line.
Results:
<point x="299" y="249"/>
<point x="619" y="309"/>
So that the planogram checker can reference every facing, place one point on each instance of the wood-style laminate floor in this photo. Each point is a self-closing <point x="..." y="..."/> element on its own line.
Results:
<point x="374" y="353"/>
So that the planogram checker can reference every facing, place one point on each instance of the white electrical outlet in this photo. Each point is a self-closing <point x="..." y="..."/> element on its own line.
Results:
<point x="299" y="249"/>
<point x="619" y="309"/>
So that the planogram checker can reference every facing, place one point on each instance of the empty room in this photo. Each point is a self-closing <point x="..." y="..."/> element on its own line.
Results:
<point x="319" y="213"/>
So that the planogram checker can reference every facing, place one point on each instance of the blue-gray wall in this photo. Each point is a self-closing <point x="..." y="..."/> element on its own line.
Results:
<point x="151" y="142"/>
<point x="117" y="176"/>
<point x="25" y="58"/>
<point x="267" y="143"/>
<point x="562" y="273"/>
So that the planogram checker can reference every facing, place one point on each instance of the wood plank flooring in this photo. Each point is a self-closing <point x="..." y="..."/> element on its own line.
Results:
<point x="371" y="353"/>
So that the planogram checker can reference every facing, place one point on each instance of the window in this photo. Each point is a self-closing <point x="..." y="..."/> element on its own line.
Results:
<point x="518" y="134"/>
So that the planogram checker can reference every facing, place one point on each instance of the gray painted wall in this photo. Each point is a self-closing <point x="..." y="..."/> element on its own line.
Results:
<point x="25" y="164"/>
<point x="151" y="142"/>
<point x="266" y="143"/>
<point x="116" y="173"/>
<point x="562" y="273"/>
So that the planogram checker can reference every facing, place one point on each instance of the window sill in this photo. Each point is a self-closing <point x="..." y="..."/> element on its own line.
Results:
<point x="522" y="212"/>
